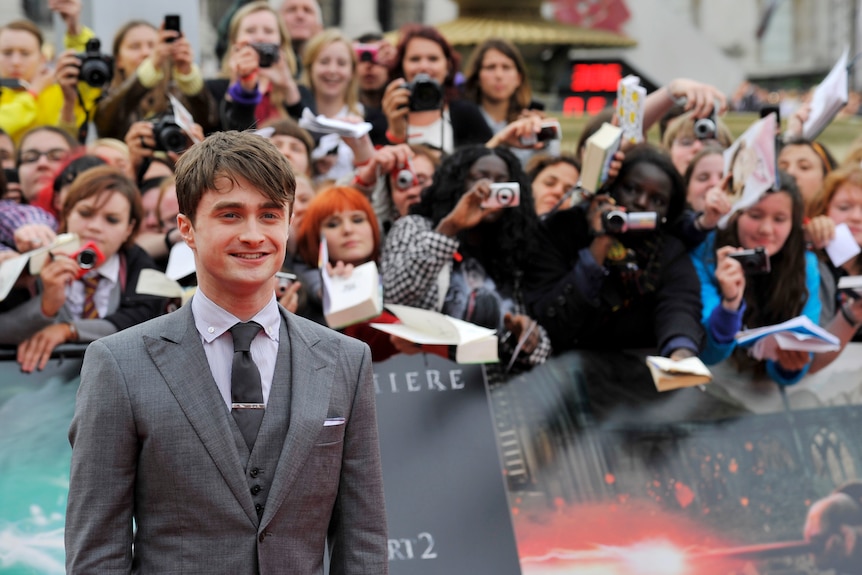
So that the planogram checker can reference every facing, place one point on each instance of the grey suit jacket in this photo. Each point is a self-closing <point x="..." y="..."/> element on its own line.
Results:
<point x="152" y="441"/>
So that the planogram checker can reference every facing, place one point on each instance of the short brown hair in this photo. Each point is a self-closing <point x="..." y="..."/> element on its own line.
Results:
<point x="25" y="26"/>
<point x="521" y="98"/>
<point x="99" y="181"/>
<point x="233" y="155"/>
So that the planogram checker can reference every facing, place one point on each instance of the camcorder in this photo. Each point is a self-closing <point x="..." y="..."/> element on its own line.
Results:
<point x="87" y="258"/>
<point x="366" y="52"/>
<point x="97" y="69"/>
<point x="620" y="222"/>
<point x="425" y="93"/>
<point x="169" y="136"/>
<point x="754" y="261"/>
<point x="503" y="195"/>
<point x="267" y="54"/>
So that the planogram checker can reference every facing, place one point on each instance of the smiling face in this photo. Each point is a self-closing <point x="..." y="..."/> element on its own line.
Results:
<point x="349" y="237"/>
<point x="845" y="207"/>
<point x="767" y="223"/>
<point x="239" y="240"/>
<point x="104" y="219"/>
<point x="498" y="76"/>
<point x="706" y="174"/>
<point x="426" y="57"/>
<point x="332" y="70"/>
<point x="550" y="185"/>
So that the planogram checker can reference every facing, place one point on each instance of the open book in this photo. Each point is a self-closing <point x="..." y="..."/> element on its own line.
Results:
<point x="828" y="99"/>
<point x="599" y="150"/>
<point x="631" y="97"/>
<point x="474" y="344"/>
<point x="10" y="270"/>
<point x="799" y="334"/>
<point x="350" y="300"/>
<point x="669" y="374"/>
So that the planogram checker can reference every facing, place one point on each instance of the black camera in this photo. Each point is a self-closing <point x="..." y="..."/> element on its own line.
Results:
<point x="168" y="134"/>
<point x="618" y="221"/>
<point x="268" y="54"/>
<point x="753" y="261"/>
<point x="97" y="69"/>
<point x="425" y="93"/>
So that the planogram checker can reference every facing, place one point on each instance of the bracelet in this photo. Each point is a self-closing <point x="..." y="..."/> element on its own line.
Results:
<point x="73" y="332"/>
<point x="362" y="183"/>
<point x="394" y="139"/>
<point x="849" y="318"/>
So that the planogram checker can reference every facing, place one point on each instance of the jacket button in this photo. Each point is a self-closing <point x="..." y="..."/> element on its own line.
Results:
<point x="261" y="537"/>
<point x="551" y="312"/>
<point x="259" y="508"/>
<point x="561" y="300"/>
<point x="254" y="472"/>
<point x="255" y="490"/>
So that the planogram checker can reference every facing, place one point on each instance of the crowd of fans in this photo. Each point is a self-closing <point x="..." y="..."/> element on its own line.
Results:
<point x="549" y="274"/>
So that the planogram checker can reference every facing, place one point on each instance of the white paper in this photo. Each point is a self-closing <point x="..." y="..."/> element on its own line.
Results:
<point x="10" y="271"/>
<point x="324" y="125"/>
<point x="800" y="325"/>
<point x="183" y="118"/>
<point x="843" y="246"/>
<point x="181" y="262"/>
<point x="63" y="244"/>
<point x="828" y="99"/>
<point x="690" y="365"/>
<point x="154" y="282"/>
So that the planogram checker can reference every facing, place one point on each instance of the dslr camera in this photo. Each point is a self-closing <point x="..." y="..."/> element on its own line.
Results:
<point x="168" y="134"/>
<point x="97" y="69"/>
<point x="620" y="222"/>
<point x="268" y="54"/>
<point x="87" y="258"/>
<point x="425" y="93"/>
<point x="503" y="195"/>
<point x="753" y="261"/>
<point x="707" y="128"/>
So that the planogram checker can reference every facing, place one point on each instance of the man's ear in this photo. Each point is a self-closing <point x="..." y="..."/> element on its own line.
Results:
<point x="187" y="229"/>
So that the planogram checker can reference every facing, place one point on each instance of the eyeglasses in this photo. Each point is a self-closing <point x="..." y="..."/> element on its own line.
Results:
<point x="53" y="155"/>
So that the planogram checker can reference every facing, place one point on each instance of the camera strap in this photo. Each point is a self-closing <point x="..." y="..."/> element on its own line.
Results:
<point x="84" y="128"/>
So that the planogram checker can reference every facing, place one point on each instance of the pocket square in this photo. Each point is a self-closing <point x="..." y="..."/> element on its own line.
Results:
<point x="331" y="421"/>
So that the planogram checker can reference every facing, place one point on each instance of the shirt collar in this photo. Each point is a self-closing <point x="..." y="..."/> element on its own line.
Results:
<point x="212" y="321"/>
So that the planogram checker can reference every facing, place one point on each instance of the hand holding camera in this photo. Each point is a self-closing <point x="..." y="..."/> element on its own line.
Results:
<point x="95" y="68"/>
<point x="730" y="277"/>
<point x="422" y="94"/>
<point x="754" y="261"/>
<point x="470" y="210"/>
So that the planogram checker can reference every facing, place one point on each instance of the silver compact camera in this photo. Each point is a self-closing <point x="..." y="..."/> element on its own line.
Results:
<point x="619" y="222"/>
<point x="503" y="195"/>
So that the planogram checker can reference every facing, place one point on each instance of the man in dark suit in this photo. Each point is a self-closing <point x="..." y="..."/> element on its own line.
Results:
<point x="166" y="434"/>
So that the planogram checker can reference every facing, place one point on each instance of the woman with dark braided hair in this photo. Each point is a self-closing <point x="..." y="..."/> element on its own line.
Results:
<point x="612" y="296"/>
<point x="454" y="256"/>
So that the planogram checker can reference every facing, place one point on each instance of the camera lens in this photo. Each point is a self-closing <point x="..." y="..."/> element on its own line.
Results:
<point x="366" y="56"/>
<point x="95" y="72"/>
<point x="173" y="139"/>
<point x="614" y="221"/>
<point x="505" y="196"/>
<point x="404" y="179"/>
<point x="86" y="259"/>
<point x="704" y="129"/>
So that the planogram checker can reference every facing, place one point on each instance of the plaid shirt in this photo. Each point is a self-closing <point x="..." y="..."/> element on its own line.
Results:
<point x="413" y="257"/>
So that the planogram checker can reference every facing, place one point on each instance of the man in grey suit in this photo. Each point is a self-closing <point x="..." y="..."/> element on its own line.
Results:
<point x="214" y="482"/>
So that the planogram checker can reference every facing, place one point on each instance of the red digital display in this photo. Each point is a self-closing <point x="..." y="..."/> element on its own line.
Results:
<point x="596" y="77"/>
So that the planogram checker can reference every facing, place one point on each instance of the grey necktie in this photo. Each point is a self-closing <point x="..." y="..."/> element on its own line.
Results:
<point x="245" y="390"/>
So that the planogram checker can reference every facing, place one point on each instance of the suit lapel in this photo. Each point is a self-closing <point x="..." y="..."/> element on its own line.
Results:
<point x="179" y="356"/>
<point x="312" y="369"/>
